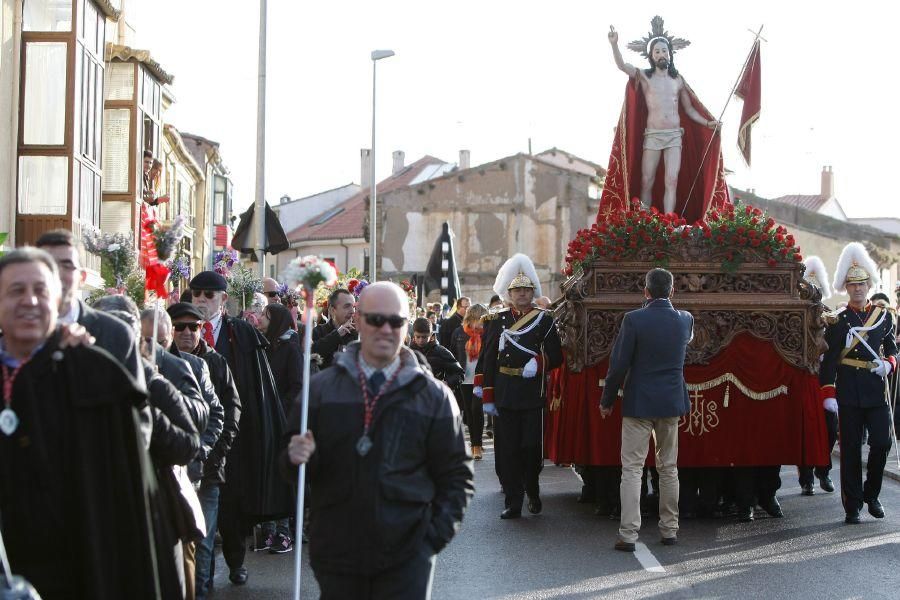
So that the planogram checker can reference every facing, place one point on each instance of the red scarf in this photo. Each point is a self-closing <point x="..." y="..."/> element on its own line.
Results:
<point x="473" y="346"/>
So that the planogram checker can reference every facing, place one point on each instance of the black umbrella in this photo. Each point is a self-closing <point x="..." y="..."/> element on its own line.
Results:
<point x="244" y="239"/>
<point x="440" y="274"/>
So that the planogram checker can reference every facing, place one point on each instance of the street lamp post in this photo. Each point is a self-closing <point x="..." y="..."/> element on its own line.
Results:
<point x="260" y="201"/>
<point x="373" y="194"/>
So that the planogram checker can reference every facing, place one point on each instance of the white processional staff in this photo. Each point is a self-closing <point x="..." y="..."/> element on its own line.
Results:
<point x="307" y="272"/>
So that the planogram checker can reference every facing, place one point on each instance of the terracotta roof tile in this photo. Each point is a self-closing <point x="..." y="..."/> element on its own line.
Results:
<point x="813" y="203"/>
<point x="347" y="219"/>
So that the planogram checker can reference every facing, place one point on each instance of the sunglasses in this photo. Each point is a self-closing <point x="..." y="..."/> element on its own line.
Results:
<point x="272" y="294"/>
<point x="378" y="320"/>
<point x="210" y="294"/>
<point x="182" y="326"/>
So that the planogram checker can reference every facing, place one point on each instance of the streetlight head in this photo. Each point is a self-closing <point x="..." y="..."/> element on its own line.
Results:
<point x="379" y="54"/>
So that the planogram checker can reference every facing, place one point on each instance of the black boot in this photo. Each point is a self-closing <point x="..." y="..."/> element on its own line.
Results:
<point x="875" y="508"/>
<point x="771" y="506"/>
<point x="511" y="513"/>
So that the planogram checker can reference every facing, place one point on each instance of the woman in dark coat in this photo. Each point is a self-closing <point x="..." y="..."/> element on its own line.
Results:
<point x="466" y="345"/>
<point x="284" y="351"/>
<point x="286" y="361"/>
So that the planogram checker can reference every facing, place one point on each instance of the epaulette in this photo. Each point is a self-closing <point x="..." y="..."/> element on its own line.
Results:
<point x="886" y="306"/>
<point x="493" y="315"/>
<point x="832" y="317"/>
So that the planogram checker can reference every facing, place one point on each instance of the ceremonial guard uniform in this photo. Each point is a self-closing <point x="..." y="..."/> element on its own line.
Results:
<point x="818" y="276"/>
<point x="862" y="351"/>
<point x="519" y="348"/>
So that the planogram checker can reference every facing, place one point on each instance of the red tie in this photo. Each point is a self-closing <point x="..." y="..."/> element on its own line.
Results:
<point x="208" y="335"/>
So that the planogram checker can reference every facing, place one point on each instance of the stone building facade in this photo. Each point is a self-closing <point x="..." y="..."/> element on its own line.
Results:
<point x="532" y="204"/>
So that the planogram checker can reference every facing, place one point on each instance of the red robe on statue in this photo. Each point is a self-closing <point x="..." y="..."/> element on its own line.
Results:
<point x="623" y="178"/>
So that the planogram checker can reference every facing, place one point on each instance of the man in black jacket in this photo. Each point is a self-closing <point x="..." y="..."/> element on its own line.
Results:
<point x="213" y="428"/>
<point x="332" y="337"/>
<point x="179" y="415"/>
<point x="178" y="371"/>
<point x="453" y="322"/>
<point x="70" y="455"/>
<point x="186" y="323"/>
<point x="208" y="436"/>
<point x="444" y="365"/>
<point x="109" y="333"/>
<point x="253" y="491"/>
<point x="391" y="478"/>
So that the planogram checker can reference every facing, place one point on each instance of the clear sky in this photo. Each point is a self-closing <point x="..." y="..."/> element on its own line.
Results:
<point x="487" y="75"/>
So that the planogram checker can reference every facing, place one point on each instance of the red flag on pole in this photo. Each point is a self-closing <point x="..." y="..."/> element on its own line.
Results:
<point x="749" y="90"/>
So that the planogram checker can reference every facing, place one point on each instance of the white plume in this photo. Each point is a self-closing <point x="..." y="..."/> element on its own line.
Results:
<point x="815" y="268"/>
<point x="518" y="263"/>
<point x="854" y="253"/>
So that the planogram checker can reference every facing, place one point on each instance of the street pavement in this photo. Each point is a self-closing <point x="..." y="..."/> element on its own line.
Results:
<point x="566" y="552"/>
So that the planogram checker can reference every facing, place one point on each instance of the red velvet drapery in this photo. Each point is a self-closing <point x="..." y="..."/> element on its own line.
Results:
<point x="788" y="429"/>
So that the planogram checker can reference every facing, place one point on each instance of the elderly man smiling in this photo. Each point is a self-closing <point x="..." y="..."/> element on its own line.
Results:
<point x="71" y="461"/>
<point x="388" y="468"/>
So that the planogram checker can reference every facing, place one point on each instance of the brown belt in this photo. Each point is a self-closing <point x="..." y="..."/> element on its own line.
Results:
<point x="859" y="364"/>
<point x="511" y="371"/>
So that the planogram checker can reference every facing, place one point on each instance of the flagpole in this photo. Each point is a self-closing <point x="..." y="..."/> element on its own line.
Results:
<point x="260" y="200"/>
<point x="721" y="116"/>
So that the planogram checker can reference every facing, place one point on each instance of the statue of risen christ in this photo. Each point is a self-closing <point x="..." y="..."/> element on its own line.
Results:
<point x="663" y="90"/>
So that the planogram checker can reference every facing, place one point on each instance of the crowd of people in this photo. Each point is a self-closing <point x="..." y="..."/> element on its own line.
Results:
<point x="137" y="437"/>
<point x="133" y="437"/>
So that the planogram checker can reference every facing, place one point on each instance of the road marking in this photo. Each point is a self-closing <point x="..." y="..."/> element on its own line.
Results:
<point x="646" y="558"/>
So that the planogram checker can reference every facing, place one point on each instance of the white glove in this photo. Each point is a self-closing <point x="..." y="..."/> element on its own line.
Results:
<point x="490" y="409"/>
<point x="530" y="369"/>
<point x="881" y="368"/>
<point x="477" y="391"/>
<point x="830" y="404"/>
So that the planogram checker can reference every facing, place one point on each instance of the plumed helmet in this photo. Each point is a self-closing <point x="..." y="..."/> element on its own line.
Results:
<point x="817" y="275"/>
<point x="854" y="266"/>
<point x="517" y="272"/>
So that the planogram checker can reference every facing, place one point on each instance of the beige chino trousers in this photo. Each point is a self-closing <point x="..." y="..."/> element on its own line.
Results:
<point x="635" y="444"/>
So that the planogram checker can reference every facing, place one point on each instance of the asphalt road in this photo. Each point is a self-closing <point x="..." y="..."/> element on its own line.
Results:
<point x="566" y="552"/>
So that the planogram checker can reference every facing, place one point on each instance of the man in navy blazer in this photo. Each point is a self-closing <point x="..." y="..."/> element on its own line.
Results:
<point x="648" y="359"/>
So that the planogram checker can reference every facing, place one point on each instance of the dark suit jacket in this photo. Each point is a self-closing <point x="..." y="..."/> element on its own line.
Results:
<point x="648" y="358"/>
<point x="181" y="375"/>
<point x="115" y="337"/>
<point x="210" y="435"/>
<point x="448" y="327"/>
<point x="119" y="340"/>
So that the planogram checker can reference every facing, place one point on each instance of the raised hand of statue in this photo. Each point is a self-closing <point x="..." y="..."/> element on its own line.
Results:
<point x="613" y="35"/>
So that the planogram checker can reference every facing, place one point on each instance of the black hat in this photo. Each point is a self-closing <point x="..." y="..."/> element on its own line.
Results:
<point x="208" y="280"/>
<point x="181" y="309"/>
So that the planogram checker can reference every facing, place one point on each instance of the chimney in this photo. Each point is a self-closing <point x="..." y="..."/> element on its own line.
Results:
<point x="827" y="182"/>
<point x="399" y="159"/>
<point x="464" y="159"/>
<point x="365" y="174"/>
<point x="285" y="199"/>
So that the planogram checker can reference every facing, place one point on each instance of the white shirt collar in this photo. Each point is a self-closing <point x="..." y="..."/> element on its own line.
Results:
<point x="388" y="371"/>
<point x="73" y="314"/>
<point x="216" y="324"/>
